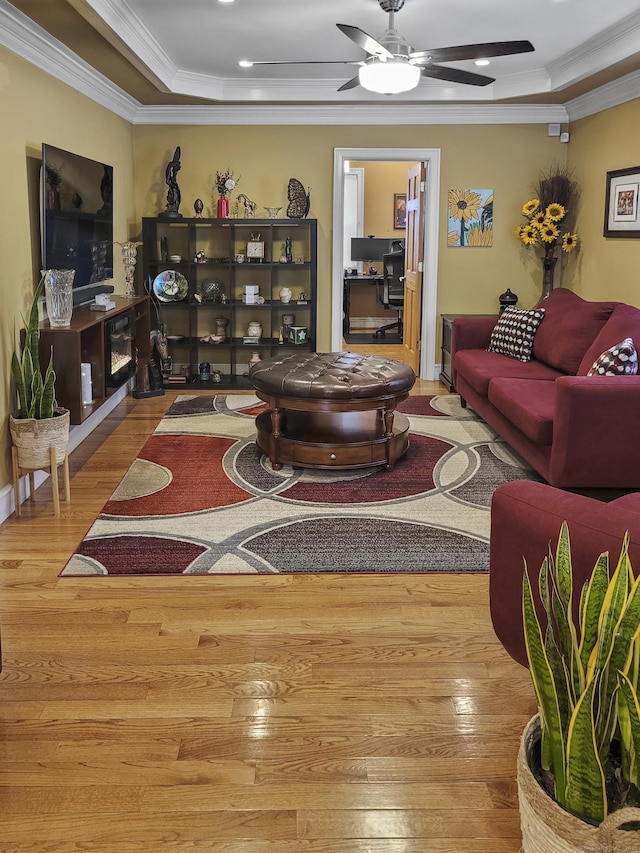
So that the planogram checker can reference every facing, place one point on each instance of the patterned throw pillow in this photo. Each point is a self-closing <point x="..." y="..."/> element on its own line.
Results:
<point x="514" y="332"/>
<point x="620" y="360"/>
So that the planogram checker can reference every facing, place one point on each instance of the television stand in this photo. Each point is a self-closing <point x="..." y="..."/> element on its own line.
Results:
<point x="84" y="342"/>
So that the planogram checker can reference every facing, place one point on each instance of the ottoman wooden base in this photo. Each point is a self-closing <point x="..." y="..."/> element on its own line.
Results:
<point x="333" y="439"/>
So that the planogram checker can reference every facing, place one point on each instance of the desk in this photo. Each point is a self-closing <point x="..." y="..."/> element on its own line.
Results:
<point x="350" y="281"/>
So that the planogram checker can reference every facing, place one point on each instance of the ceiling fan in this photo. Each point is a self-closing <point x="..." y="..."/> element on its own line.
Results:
<point x="392" y="66"/>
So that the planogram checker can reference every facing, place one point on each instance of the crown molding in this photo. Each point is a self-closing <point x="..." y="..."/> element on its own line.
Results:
<point x="603" y="50"/>
<point x="350" y="114"/>
<point x="610" y="95"/>
<point x="22" y="36"/>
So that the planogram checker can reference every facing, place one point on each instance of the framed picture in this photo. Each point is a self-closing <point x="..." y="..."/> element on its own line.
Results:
<point x="400" y="211"/>
<point x="621" y="203"/>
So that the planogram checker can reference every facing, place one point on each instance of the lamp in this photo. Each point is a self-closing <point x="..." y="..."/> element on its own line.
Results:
<point x="390" y="76"/>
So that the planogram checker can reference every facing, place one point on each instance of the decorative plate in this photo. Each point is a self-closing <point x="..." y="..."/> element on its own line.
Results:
<point x="170" y="286"/>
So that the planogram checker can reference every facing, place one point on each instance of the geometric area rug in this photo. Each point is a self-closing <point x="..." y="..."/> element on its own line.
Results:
<point x="202" y="499"/>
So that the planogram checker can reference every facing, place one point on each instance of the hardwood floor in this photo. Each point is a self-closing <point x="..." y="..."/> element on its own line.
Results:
<point x="325" y="714"/>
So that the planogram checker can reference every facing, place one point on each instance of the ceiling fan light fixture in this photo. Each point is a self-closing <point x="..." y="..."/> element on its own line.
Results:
<point x="390" y="77"/>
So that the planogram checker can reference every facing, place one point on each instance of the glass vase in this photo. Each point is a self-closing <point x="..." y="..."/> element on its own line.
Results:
<point x="548" y="269"/>
<point x="58" y="293"/>
<point x="223" y="207"/>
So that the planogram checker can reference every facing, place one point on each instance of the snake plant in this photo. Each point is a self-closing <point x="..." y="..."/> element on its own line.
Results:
<point x="36" y="393"/>
<point x="585" y="677"/>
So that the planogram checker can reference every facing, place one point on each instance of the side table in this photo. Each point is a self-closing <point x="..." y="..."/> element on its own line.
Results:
<point x="447" y="324"/>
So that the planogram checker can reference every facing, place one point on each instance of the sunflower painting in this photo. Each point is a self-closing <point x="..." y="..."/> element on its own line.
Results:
<point x="470" y="218"/>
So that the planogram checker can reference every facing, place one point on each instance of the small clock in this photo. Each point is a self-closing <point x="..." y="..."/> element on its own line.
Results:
<point x="255" y="248"/>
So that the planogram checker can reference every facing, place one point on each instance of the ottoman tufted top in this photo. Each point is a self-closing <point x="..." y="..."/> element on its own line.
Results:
<point x="331" y="376"/>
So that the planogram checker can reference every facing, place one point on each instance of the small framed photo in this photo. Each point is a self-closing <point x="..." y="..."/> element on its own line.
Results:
<point x="400" y="211"/>
<point x="621" y="203"/>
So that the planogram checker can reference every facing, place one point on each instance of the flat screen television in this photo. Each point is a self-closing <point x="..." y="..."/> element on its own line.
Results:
<point x="77" y="220"/>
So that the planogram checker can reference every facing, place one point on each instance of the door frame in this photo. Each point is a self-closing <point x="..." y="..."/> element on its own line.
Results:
<point x="431" y="158"/>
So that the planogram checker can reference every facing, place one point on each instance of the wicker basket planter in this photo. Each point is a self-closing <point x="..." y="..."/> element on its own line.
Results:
<point x="548" y="828"/>
<point x="33" y="439"/>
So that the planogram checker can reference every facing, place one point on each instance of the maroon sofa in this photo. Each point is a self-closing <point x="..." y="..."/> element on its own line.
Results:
<point x="576" y="431"/>
<point x="525" y="520"/>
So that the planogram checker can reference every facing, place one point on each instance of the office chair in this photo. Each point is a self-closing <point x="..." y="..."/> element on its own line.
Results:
<point x="391" y="292"/>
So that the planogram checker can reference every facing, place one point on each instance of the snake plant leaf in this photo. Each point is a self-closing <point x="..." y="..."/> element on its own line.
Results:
<point x="594" y="593"/>
<point x="48" y="391"/>
<point x="543" y="582"/>
<point x="563" y="572"/>
<point x="36" y="396"/>
<point x="561" y="678"/>
<point x="544" y="687"/>
<point x="629" y="713"/>
<point x="611" y="614"/>
<point x="18" y="378"/>
<point x="585" y="781"/>
<point x="625" y="637"/>
<point x="32" y="330"/>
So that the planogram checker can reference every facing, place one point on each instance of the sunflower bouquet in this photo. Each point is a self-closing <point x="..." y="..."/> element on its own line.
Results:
<point x="555" y="192"/>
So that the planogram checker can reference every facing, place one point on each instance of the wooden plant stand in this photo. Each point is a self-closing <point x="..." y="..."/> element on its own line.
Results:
<point x="19" y="471"/>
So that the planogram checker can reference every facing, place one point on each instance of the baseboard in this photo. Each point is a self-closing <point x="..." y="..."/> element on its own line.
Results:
<point x="77" y="435"/>
<point x="370" y="322"/>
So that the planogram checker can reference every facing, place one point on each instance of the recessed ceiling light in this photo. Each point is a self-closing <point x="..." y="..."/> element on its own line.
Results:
<point x="482" y="62"/>
<point x="226" y="1"/>
<point x="245" y="63"/>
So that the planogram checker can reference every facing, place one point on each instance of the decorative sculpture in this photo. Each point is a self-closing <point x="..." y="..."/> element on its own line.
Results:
<point x="129" y="258"/>
<point x="249" y="206"/>
<point x="173" y="191"/>
<point x="299" y="199"/>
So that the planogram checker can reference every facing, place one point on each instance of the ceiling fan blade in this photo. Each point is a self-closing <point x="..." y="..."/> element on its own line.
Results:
<point x="306" y="62"/>
<point x="350" y="84"/>
<point x="471" y="51"/>
<point x="366" y="42"/>
<point x="456" y="75"/>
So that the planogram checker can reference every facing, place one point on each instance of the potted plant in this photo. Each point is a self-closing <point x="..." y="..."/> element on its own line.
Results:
<point x="38" y="424"/>
<point x="579" y="760"/>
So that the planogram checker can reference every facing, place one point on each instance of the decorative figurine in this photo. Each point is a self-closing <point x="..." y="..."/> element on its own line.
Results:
<point x="287" y="250"/>
<point x="249" y="206"/>
<point x="173" y="192"/>
<point x="299" y="200"/>
<point x="198" y="206"/>
<point x="129" y="257"/>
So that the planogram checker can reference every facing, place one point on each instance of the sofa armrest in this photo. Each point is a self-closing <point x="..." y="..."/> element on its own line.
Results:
<point x="595" y="429"/>
<point x="525" y="521"/>
<point x="471" y="333"/>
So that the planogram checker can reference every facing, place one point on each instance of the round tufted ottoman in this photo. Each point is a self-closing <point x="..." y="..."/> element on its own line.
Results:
<point x="332" y="410"/>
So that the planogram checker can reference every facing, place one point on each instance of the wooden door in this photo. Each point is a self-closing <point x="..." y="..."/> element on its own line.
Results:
<point x="413" y="265"/>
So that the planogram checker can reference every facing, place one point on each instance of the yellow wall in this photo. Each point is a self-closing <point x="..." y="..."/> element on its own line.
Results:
<point x="600" y="144"/>
<point x="36" y="108"/>
<point x="505" y="159"/>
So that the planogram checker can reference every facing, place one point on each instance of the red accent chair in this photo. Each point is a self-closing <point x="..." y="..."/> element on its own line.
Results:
<point x="525" y="520"/>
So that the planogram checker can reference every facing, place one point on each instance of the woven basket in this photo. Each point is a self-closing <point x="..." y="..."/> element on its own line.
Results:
<point x="33" y="439"/>
<point x="548" y="828"/>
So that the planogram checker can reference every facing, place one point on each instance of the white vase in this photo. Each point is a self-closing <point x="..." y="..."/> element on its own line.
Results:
<point x="285" y="294"/>
<point x="254" y="330"/>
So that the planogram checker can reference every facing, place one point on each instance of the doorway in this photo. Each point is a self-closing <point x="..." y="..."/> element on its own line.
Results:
<point x="431" y="158"/>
